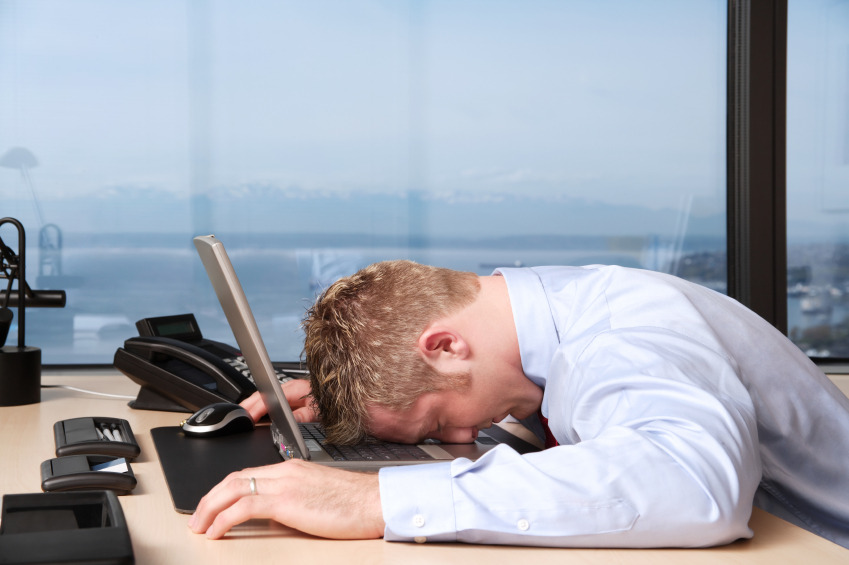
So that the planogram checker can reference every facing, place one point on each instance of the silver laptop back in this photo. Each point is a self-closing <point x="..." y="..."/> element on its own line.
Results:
<point x="235" y="305"/>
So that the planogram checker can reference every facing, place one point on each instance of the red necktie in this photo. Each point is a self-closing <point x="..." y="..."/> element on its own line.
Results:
<point x="550" y="440"/>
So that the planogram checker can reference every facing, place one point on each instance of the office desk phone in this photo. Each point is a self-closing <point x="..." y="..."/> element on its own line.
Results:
<point x="181" y="371"/>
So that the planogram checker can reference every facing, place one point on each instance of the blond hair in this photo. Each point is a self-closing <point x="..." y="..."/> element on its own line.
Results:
<point x="362" y="336"/>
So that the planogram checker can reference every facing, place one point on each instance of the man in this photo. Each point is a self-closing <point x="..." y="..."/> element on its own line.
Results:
<point x="674" y="407"/>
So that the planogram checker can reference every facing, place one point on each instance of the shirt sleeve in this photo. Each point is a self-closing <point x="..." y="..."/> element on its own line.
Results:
<point x="658" y="449"/>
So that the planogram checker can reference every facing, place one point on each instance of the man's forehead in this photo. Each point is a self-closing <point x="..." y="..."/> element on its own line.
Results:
<point x="417" y="421"/>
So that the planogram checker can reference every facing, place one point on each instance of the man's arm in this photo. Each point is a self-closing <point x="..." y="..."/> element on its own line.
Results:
<point x="318" y="500"/>
<point x="665" y="454"/>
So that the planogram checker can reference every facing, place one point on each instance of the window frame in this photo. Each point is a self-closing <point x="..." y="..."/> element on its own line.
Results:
<point x="757" y="157"/>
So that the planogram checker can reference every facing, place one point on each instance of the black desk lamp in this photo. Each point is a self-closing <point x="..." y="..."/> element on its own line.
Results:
<point x="20" y="367"/>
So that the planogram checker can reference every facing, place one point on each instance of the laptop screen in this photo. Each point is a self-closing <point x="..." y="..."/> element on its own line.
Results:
<point x="235" y="305"/>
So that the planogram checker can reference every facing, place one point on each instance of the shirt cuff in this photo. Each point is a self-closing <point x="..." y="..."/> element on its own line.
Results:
<point x="418" y="503"/>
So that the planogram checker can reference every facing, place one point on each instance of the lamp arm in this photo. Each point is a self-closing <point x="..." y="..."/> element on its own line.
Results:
<point x="20" y="274"/>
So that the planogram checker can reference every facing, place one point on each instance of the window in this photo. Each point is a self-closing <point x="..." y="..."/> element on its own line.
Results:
<point x="317" y="137"/>
<point x="818" y="176"/>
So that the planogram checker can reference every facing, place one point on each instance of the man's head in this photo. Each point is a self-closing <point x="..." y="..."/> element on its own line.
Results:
<point x="362" y="342"/>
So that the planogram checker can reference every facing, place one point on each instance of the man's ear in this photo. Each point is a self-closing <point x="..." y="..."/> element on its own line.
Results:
<point x="442" y="343"/>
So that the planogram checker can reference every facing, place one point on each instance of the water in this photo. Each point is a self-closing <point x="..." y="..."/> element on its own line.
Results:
<point x="112" y="288"/>
<point x="803" y="328"/>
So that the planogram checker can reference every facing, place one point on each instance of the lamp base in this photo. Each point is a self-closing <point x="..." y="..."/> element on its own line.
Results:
<point x="20" y="375"/>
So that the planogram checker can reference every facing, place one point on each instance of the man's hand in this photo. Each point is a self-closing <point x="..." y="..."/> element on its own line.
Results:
<point x="321" y="501"/>
<point x="297" y="393"/>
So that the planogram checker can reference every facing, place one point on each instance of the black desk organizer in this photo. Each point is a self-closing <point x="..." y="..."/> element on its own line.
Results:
<point x="75" y="473"/>
<point x="79" y="436"/>
<point x="64" y="527"/>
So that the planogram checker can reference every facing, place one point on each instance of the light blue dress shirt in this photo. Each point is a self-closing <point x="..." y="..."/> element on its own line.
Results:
<point x="675" y="407"/>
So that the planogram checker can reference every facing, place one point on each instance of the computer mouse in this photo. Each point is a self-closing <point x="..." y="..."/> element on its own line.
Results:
<point x="220" y="419"/>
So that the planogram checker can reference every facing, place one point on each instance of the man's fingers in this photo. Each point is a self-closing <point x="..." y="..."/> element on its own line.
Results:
<point x="255" y="406"/>
<point x="298" y="494"/>
<point x="216" y="501"/>
<point x="296" y="390"/>
<point x="297" y="395"/>
<point x="305" y="414"/>
<point x="228" y="493"/>
<point x="250" y="401"/>
<point x="257" y="411"/>
<point x="268" y="472"/>
<point x="244" y="509"/>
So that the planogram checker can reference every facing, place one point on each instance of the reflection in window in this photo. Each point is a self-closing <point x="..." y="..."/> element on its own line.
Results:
<point x="818" y="176"/>
<point x="317" y="137"/>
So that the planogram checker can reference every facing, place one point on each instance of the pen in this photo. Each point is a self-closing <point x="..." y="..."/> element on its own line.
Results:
<point x="117" y="433"/>
<point x="108" y="433"/>
<point x="99" y="434"/>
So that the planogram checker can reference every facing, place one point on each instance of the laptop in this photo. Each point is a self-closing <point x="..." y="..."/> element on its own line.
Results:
<point x="306" y="441"/>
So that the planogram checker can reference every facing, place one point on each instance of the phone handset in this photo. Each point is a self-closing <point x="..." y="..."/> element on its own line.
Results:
<point x="229" y="381"/>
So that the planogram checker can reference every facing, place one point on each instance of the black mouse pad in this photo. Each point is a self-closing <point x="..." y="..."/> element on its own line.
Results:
<point x="194" y="465"/>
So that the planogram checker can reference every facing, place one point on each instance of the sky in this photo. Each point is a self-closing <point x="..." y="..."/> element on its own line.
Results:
<point x="602" y="104"/>
<point x="818" y="120"/>
<point x="615" y="103"/>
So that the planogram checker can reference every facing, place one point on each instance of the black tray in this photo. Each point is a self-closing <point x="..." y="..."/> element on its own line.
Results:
<point x="64" y="527"/>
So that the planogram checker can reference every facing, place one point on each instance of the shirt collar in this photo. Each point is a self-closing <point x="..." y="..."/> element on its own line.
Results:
<point x="538" y="341"/>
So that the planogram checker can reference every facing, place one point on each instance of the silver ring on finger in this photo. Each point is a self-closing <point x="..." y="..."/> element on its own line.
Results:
<point x="253" y="486"/>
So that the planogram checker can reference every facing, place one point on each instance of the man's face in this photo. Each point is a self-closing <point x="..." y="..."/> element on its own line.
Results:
<point x="449" y="416"/>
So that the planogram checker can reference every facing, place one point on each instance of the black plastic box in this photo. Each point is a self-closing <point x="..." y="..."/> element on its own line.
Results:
<point x="79" y="436"/>
<point x="64" y="527"/>
<point x="75" y="473"/>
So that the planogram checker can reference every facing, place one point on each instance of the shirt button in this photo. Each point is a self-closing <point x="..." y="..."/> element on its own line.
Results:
<point x="523" y="525"/>
<point x="418" y="520"/>
<point x="420" y="539"/>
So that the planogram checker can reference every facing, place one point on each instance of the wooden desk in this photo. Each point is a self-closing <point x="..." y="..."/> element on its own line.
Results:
<point x="160" y="535"/>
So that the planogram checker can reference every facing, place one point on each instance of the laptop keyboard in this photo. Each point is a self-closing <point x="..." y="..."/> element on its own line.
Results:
<point x="370" y="451"/>
<point x="239" y="364"/>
